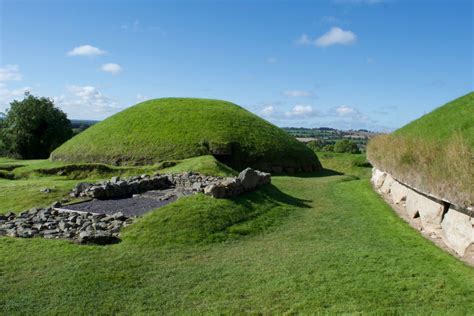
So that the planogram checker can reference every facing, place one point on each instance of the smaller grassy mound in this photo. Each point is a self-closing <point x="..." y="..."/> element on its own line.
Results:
<point x="179" y="128"/>
<point x="201" y="219"/>
<point x="434" y="153"/>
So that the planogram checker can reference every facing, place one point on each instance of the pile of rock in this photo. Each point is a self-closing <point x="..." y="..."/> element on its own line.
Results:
<point x="119" y="188"/>
<point x="192" y="181"/>
<point x="217" y="187"/>
<point x="53" y="224"/>
<point x="248" y="180"/>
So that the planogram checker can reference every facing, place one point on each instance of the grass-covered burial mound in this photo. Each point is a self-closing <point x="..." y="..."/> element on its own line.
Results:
<point x="434" y="153"/>
<point x="178" y="128"/>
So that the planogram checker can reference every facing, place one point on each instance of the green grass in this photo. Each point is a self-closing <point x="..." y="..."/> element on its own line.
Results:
<point x="324" y="243"/>
<point x="456" y="117"/>
<point x="179" y="128"/>
<point x="434" y="153"/>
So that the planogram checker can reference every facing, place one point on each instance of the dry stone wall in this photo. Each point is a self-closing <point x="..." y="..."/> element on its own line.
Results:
<point x="454" y="225"/>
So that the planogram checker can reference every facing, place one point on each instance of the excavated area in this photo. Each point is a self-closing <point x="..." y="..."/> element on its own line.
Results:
<point x="137" y="205"/>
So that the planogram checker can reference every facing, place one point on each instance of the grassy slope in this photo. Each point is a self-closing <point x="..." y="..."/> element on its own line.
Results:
<point x="176" y="128"/>
<point x="332" y="246"/>
<point x="440" y="125"/>
<point x="433" y="153"/>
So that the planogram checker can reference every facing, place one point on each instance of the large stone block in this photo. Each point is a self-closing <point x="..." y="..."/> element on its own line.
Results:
<point x="398" y="192"/>
<point x="431" y="214"/>
<point x="458" y="232"/>
<point x="387" y="184"/>
<point x="378" y="177"/>
<point x="411" y="205"/>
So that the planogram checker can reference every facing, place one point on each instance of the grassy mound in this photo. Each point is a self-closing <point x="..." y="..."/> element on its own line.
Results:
<point x="434" y="153"/>
<point x="179" y="128"/>
<point x="200" y="219"/>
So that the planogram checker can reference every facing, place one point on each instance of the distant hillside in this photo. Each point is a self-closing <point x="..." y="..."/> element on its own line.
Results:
<point x="434" y="153"/>
<point x="178" y="128"/>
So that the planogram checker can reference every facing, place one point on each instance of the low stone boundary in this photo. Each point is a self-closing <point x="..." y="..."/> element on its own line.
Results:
<point x="52" y="223"/>
<point x="454" y="225"/>
<point x="217" y="187"/>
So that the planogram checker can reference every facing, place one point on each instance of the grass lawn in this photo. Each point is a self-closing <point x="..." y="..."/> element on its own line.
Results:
<point x="321" y="243"/>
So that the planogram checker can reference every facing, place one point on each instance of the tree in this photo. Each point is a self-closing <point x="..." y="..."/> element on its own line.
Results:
<point x="33" y="128"/>
<point x="346" y="146"/>
<point x="315" y="145"/>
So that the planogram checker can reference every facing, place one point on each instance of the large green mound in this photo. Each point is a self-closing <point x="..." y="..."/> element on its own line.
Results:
<point x="433" y="153"/>
<point x="178" y="128"/>
<point x="456" y="117"/>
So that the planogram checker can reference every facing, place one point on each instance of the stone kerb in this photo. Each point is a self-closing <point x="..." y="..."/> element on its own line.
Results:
<point x="436" y="216"/>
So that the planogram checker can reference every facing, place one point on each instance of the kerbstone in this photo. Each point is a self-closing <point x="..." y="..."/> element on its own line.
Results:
<point x="387" y="184"/>
<point x="458" y="232"/>
<point x="378" y="177"/>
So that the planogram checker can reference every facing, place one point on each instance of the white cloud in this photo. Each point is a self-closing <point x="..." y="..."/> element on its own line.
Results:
<point x="267" y="111"/>
<point x="301" y="111"/>
<point x="304" y="40"/>
<point x="297" y="93"/>
<point x="86" y="102"/>
<point x="345" y="110"/>
<point x="272" y="60"/>
<point x="10" y="73"/>
<point x="336" y="35"/>
<point x="85" y="50"/>
<point x="8" y="95"/>
<point x="141" y="97"/>
<point x="112" y="68"/>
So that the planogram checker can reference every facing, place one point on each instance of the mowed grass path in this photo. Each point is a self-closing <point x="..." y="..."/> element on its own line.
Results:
<point x="344" y="251"/>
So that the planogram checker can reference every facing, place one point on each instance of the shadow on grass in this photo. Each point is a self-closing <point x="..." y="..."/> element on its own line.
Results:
<point x="270" y="193"/>
<point x="317" y="174"/>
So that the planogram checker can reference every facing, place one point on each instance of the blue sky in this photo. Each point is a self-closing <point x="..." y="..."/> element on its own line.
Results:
<point x="374" y="64"/>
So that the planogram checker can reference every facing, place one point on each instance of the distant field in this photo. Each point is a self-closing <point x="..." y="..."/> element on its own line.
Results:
<point x="318" y="243"/>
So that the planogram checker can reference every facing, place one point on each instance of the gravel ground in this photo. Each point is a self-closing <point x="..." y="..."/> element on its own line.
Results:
<point x="134" y="206"/>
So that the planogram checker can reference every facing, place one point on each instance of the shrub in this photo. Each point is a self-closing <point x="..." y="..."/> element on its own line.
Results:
<point x="346" y="146"/>
<point x="33" y="128"/>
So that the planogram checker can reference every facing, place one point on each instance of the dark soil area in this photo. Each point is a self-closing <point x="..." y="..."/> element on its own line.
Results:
<point x="134" y="206"/>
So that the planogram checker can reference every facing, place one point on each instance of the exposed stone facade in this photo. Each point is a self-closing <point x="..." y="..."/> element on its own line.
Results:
<point x="436" y="216"/>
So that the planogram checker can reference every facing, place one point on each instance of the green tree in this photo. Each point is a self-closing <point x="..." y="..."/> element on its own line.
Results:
<point x="328" y="148"/>
<point x="315" y="145"/>
<point x="346" y="146"/>
<point x="33" y="128"/>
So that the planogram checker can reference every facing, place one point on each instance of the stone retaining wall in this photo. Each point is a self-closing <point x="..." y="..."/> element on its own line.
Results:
<point x="217" y="187"/>
<point x="455" y="226"/>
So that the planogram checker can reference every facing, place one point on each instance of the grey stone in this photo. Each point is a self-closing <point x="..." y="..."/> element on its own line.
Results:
<point x="248" y="178"/>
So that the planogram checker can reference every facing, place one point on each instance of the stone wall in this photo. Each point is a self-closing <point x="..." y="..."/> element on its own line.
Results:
<point x="455" y="226"/>
<point x="217" y="187"/>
